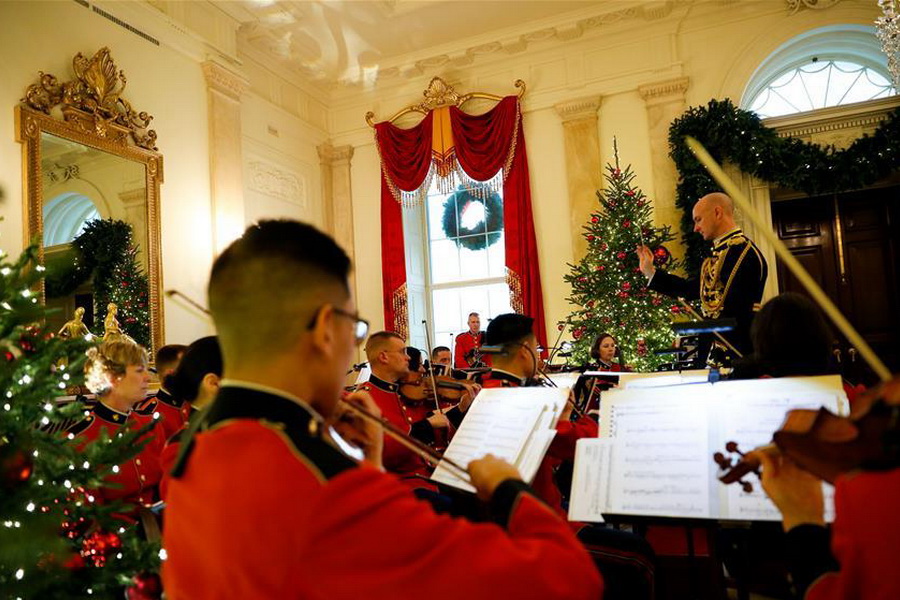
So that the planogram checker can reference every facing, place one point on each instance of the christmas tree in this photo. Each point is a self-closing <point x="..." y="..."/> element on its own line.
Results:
<point x="608" y="290"/>
<point x="55" y="540"/>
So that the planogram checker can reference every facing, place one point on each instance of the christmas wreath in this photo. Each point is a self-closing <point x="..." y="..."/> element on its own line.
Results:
<point x="483" y="234"/>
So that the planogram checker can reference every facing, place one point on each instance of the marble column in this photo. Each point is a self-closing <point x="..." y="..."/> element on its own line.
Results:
<point x="665" y="102"/>
<point x="583" y="177"/>
<point x="224" y="89"/>
<point x="336" y="193"/>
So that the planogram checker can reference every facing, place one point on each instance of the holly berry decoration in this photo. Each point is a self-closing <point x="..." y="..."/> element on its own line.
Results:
<point x="147" y="586"/>
<point x="97" y="546"/>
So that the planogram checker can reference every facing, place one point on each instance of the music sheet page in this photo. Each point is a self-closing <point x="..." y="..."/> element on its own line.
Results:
<point x="515" y="424"/>
<point x="661" y="442"/>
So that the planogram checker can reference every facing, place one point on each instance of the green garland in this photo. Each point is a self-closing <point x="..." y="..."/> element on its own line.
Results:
<point x="474" y="238"/>
<point x="103" y="253"/>
<point x="739" y="137"/>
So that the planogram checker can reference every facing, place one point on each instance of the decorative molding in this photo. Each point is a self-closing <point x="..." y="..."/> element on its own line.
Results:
<point x="582" y="108"/>
<point x="93" y="101"/>
<point x="797" y="5"/>
<point x="224" y="80"/>
<point x="269" y="180"/>
<point x="664" y="90"/>
<point x="332" y="155"/>
<point x="857" y="115"/>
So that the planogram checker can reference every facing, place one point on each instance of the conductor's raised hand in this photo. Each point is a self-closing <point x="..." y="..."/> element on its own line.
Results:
<point x="489" y="472"/>
<point x="645" y="256"/>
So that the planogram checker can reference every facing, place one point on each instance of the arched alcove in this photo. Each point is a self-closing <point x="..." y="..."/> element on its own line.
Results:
<point x="65" y="216"/>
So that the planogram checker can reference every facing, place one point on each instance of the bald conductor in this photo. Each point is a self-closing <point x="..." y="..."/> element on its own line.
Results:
<point x="732" y="277"/>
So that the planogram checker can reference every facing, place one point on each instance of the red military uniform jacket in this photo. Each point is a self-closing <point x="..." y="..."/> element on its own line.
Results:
<point x="561" y="449"/>
<point x="137" y="479"/>
<point x="288" y="516"/>
<point x="865" y="541"/>
<point x="173" y="412"/>
<point x="397" y="458"/>
<point x="466" y="343"/>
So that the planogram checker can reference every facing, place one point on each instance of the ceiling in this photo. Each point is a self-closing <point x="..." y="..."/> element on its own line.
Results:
<point x="336" y="42"/>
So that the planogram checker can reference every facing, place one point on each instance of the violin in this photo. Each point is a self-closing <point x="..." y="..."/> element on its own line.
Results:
<point x="417" y="388"/>
<point x="827" y="445"/>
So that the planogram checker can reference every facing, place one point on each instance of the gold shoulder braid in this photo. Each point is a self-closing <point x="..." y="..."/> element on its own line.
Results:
<point x="713" y="290"/>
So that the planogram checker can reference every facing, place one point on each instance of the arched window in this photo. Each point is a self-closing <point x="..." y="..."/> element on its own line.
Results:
<point x="824" y="67"/>
<point x="65" y="217"/>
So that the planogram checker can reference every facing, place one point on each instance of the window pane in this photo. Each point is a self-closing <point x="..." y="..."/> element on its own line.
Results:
<point x="436" y="216"/>
<point x="444" y="258"/>
<point x="473" y="264"/>
<point x="496" y="253"/>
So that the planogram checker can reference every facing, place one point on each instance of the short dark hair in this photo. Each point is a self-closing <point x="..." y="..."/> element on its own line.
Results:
<point x="202" y="357"/>
<point x="378" y="339"/>
<point x="437" y="350"/>
<point x="508" y="329"/>
<point x="415" y="358"/>
<point x="268" y="284"/>
<point x="791" y="337"/>
<point x="168" y="355"/>
<point x="473" y="314"/>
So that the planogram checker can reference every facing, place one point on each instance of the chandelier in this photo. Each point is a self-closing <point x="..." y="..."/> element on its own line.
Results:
<point x="887" y="28"/>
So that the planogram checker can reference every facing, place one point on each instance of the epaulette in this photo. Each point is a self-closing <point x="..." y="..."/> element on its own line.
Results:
<point x="80" y="426"/>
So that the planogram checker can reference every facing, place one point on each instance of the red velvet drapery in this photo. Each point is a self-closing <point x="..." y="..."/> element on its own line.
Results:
<point x="485" y="144"/>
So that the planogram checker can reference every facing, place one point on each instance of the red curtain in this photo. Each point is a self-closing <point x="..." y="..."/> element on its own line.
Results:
<point x="485" y="144"/>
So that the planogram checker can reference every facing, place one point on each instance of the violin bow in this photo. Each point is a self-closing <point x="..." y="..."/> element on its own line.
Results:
<point x="421" y="450"/>
<point x="790" y="261"/>
<point x="437" y="400"/>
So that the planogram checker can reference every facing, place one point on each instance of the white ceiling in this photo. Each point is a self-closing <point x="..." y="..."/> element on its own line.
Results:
<point x="350" y="42"/>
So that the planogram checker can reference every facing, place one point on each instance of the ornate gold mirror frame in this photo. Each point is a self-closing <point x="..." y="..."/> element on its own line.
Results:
<point x="89" y="110"/>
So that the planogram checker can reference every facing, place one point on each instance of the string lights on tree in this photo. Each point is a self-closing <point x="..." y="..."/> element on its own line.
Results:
<point x="609" y="292"/>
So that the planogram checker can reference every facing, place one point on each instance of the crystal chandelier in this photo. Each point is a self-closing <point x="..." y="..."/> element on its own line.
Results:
<point x="888" y="31"/>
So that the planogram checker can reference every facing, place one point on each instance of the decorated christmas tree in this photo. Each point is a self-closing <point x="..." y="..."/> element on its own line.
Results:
<point x="609" y="292"/>
<point x="55" y="540"/>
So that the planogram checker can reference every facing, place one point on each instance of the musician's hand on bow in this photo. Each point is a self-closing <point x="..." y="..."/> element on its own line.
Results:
<point x="439" y="421"/>
<point x="645" y="256"/>
<point x="362" y="433"/>
<point x="796" y="493"/>
<point x="466" y="399"/>
<point x="489" y="472"/>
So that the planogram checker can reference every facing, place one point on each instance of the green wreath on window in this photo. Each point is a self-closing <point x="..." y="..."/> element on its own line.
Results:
<point x="473" y="238"/>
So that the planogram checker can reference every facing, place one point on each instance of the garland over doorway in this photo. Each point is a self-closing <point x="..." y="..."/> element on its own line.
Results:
<point x="739" y="137"/>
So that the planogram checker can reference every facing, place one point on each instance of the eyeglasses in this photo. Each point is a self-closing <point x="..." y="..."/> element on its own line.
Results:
<point x="360" y="328"/>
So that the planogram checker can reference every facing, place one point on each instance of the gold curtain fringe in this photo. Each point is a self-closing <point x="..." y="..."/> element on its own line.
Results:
<point x="400" y="306"/>
<point x="516" y="301"/>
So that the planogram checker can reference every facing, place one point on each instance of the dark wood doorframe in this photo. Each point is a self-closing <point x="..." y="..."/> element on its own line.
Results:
<point x="862" y="272"/>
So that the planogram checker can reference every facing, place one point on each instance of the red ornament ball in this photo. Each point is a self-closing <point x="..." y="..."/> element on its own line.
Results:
<point x="630" y="193"/>
<point x="590" y="238"/>
<point x="600" y="268"/>
<point x="16" y="466"/>
<point x="590" y="304"/>
<point x="621" y="255"/>
<point x="617" y="173"/>
<point x="661" y="255"/>
<point x="147" y="586"/>
<point x="604" y="247"/>
<point x="577" y="334"/>
<point x="626" y="224"/>
<point x="595" y="219"/>
<point x="605" y="320"/>
<point x="582" y="279"/>
<point x="623" y="295"/>
<point x="560" y="327"/>
<point x="626" y="286"/>
<point x="675" y="309"/>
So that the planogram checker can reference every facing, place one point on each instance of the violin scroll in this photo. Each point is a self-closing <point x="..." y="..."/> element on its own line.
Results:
<point x="736" y="466"/>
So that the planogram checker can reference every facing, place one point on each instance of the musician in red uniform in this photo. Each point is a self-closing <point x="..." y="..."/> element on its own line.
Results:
<point x="118" y="373"/>
<point x="467" y="343"/>
<point x="515" y="365"/>
<point x="864" y="538"/>
<point x="264" y="503"/>
<point x="389" y="361"/>
<point x="173" y="411"/>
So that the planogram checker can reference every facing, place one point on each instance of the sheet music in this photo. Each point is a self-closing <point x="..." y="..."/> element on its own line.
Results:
<point x="515" y="424"/>
<point x="661" y="442"/>
<point x="589" y="497"/>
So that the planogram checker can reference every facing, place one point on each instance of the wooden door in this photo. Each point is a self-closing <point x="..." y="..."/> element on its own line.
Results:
<point x="849" y="244"/>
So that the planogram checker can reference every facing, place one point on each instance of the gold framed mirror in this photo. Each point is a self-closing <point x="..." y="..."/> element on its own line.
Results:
<point x="90" y="166"/>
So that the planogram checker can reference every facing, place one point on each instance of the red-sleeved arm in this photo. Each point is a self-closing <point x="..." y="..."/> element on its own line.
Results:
<point x="568" y="433"/>
<point x="370" y="535"/>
